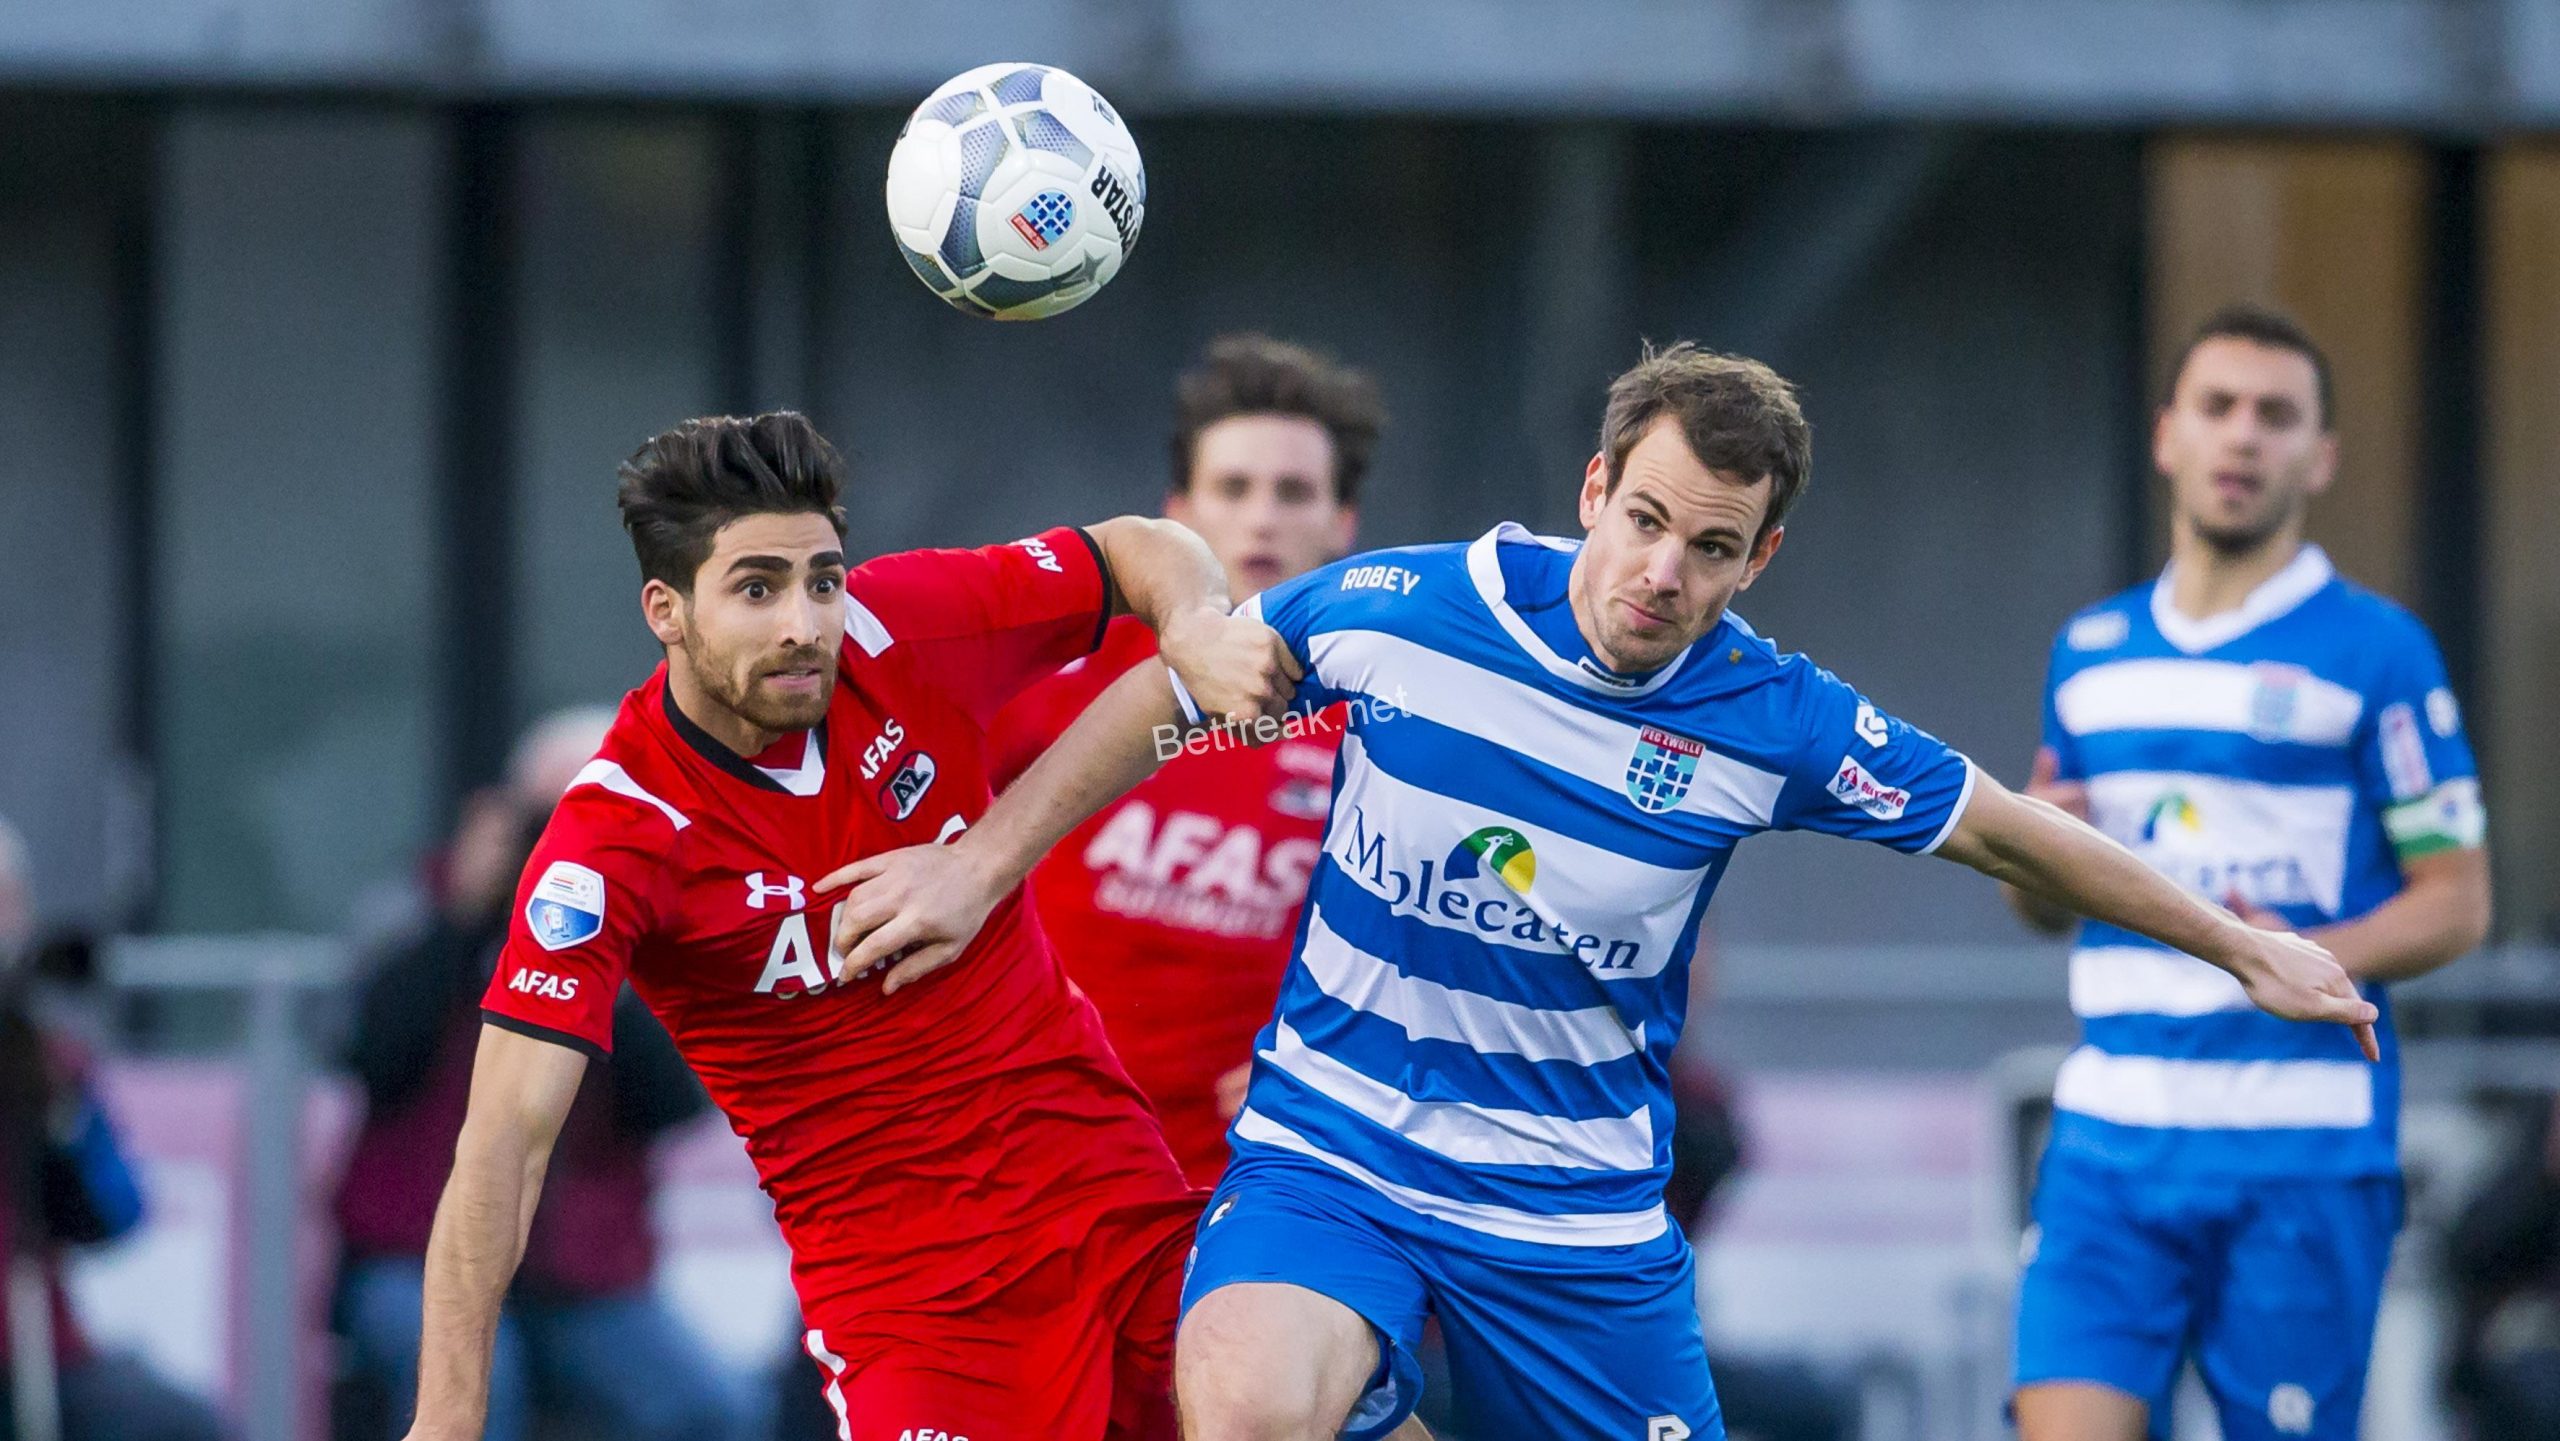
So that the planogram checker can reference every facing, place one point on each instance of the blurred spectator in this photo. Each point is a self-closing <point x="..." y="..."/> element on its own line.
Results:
<point x="68" y="1184"/>
<point x="584" y="1334"/>
<point x="1764" y="1398"/>
<point x="2504" y="1261"/>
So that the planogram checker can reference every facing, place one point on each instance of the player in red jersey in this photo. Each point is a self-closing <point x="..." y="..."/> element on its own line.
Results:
<point x="1174" y="906"/>
<point x="986" y="1227"/>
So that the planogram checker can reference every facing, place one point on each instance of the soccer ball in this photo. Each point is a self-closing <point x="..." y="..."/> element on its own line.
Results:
<point x="1015" y="191"/>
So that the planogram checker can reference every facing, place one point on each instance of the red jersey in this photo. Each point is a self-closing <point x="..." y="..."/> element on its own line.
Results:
<point x="1175" y="906"/>
<point x="924" y="1151"/>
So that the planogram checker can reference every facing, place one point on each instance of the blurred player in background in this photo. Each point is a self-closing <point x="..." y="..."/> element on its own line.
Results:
<point x="1173" y="907"/>
<point x="985" y="1224"/>
<point x="2221" y="1184"/>
<point x="1462" y="1107"/>
<point x="584" y="1331"/>
<point x="65" y="1183"/>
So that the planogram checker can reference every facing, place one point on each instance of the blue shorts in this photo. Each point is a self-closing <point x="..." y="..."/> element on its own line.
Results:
<point x="2271" y="1285"/>
<point x="1556" y="1343"/>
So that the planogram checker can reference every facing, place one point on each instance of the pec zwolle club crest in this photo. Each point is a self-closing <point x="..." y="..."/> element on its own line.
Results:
<point x="1659" y="772"/>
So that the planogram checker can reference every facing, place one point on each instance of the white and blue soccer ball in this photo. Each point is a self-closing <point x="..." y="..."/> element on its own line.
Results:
<point x="1016" y="191"/>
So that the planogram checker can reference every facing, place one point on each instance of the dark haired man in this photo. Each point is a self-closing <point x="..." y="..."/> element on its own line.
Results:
<point x="986" y="1227"/>
<point x="1462" y="1106"/>
<point x="2220" y="1185"/>
<point x="1173" y="906"/>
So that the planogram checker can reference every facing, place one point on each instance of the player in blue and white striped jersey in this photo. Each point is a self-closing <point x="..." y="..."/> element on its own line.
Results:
<point x="2222" y="1184"/>
<point x="1461" y="1107"/>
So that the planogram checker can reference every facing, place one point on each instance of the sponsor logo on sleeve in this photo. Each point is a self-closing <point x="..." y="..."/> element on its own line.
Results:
<point x="2443" y="716"/>
<point x="1871" y="726"/>
<point x="545" y="985"/>
<point x="567" y="906"/>
<point x="1852" y="784"/>
<point x="1392" y="578"/>
<point x="2404" y="753"/>
<point x="1040" y="553"/>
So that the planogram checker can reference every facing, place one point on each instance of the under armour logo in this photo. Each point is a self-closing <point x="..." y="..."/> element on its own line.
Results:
<point x="793" y="889"/>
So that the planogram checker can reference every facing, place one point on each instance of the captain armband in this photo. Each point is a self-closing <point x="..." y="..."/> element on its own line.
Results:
<point x="2450" y="817"/>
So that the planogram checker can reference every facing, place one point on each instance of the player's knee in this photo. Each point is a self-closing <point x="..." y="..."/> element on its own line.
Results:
<point x="2078" y="1411"/>
<point x="1244" y="1370"/>
<point x="1223" y="1399"/>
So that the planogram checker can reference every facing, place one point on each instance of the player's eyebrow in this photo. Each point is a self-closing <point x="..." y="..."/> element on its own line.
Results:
<point x="823" y="560"/>
<point x="1638" y="495"/>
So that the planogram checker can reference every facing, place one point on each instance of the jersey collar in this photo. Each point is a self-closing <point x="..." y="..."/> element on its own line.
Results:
<point x="804" y="779"/>
<point x="1484" y="567"/>
<point x="2276" y="596"/>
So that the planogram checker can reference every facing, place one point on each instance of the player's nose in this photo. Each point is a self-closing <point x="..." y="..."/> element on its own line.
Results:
<point x="804" y="620"/>
<point x="1662" y="566"/>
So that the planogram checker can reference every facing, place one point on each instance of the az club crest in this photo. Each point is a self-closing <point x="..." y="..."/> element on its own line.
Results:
<point x="1659" y="772"/>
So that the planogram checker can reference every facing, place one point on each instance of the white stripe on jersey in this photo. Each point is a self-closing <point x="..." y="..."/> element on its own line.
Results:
<point x="1384" y="831"/>
<point x="2275" y="845"/>
<point x="602" y="772"/>
<point x="1584" y="1228"/>
<point x="1469" y="1135"/>
<point x="815" y="1343"/>
<point x="1584" y="744"/>
<point x="865" y="627"/>
<point x="2204" y="695"/>
<point x="2215" y="1095"/>
<point x="1429" y="1011"/>
<point x="2146" y="981"/>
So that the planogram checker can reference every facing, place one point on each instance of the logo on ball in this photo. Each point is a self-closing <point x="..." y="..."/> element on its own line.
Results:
<point x="1045" y="219"/>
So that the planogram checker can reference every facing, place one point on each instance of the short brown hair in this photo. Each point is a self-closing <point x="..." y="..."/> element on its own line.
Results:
<point x="1738" y="416"/>
<point x="1252" y="374"/>
<point x="2259" y="325"/>
<point x="684" y="484"/>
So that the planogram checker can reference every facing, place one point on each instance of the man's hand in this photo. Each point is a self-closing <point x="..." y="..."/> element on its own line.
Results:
<point x="2037" y="848"/>
<point x="1235" y="667"/>
<point x="2070" y="797"/>
<point x="914" y="910"/>
<point x="2286" y="975"/>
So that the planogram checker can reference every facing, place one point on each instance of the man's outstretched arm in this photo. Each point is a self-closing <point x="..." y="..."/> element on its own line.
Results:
<point x="521" y="1088"/>
<point x="1167" y="576"/>
<point x="925" y="903"/>
<point x="2046" y="853"/>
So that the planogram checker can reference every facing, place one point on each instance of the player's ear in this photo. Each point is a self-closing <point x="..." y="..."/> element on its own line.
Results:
<point x="2324" y="464"/>
<point x="1762" y="554"/>
<point x="1595" y="489"/>
<point x="664" y="610"/>
<point x="1346" y="529"/>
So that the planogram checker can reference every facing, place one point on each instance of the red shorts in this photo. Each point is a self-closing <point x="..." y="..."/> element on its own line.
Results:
<point x="1079" y="1349"/>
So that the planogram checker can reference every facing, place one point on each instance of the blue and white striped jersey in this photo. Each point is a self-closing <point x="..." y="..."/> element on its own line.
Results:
<point x="1492" y="965"/>
<point x="2290" y="753"/>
